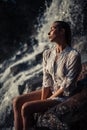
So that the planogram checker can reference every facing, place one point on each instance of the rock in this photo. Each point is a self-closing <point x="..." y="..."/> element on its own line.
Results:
<point x="39" y="57"/>
<point x="71" y="114"/>
<point x="66" y="114"/>
<point x="18" y="68"/>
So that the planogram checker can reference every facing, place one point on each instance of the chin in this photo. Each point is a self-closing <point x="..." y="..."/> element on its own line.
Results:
<point x="51" y="40"/>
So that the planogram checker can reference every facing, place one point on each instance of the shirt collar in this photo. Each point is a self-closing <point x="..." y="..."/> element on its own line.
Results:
<point x="66" y="49"/>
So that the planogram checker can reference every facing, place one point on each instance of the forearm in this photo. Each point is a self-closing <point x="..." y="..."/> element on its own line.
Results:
<point x="57" y="93"/>
<point x="42" y="94"/>
<point x="46" y="92"/>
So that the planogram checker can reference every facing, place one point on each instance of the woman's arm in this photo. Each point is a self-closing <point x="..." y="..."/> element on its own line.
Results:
<point x="47" y="79"/>
<point x="57" y="93"/>
<point x="74" y="69"/>
<point x="46" y="92"/>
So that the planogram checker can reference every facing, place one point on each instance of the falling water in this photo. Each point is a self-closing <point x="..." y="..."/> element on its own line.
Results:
<point x="71" y="12"/>
<point x="19" y="73"/>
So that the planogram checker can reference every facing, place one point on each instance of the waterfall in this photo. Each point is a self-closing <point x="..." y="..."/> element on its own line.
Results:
<point x="25" y="68"/>
<point x="71" y="12"/>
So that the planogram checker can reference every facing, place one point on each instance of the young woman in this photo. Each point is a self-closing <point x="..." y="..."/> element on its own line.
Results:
<point x="61" y="68"/>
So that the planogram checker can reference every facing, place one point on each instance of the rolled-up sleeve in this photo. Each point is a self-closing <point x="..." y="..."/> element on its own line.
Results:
<point x="73" y="71"/>
<point x="47" y="79"/>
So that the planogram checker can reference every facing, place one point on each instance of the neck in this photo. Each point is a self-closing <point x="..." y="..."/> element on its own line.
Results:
<point x="60" y="47"/>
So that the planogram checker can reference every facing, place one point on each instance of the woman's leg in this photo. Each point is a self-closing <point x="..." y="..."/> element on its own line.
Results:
<point x="17" y="105"/>
<point x="29" y="108"/>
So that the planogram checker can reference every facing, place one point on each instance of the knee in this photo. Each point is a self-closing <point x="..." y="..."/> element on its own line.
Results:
<point x="16" y="103"/>
<point x="26" y="110"/>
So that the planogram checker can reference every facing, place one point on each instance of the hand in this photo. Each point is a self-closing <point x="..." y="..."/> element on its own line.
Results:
<point x="50" y="98"/>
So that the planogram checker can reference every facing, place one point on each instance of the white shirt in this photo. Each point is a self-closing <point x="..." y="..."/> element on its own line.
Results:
<point x="62" y="73"/>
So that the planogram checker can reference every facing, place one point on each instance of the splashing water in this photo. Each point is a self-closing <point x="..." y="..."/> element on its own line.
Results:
<point x="68" y="11"/>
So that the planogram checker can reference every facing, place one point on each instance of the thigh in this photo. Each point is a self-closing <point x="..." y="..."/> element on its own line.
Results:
<point x="32" y="96"/>
<point x="40" y="105"/>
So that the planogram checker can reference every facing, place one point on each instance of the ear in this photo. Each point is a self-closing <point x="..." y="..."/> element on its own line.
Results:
<point x="62" y="31"/>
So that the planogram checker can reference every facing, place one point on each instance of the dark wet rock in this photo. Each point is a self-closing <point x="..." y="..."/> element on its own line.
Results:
<point x="71" y="114"/>
<point x="39" y="57"/>
<point x="18" y="68"/>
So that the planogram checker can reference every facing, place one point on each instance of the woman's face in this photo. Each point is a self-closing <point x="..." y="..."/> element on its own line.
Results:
<point x="54" y="33"/>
